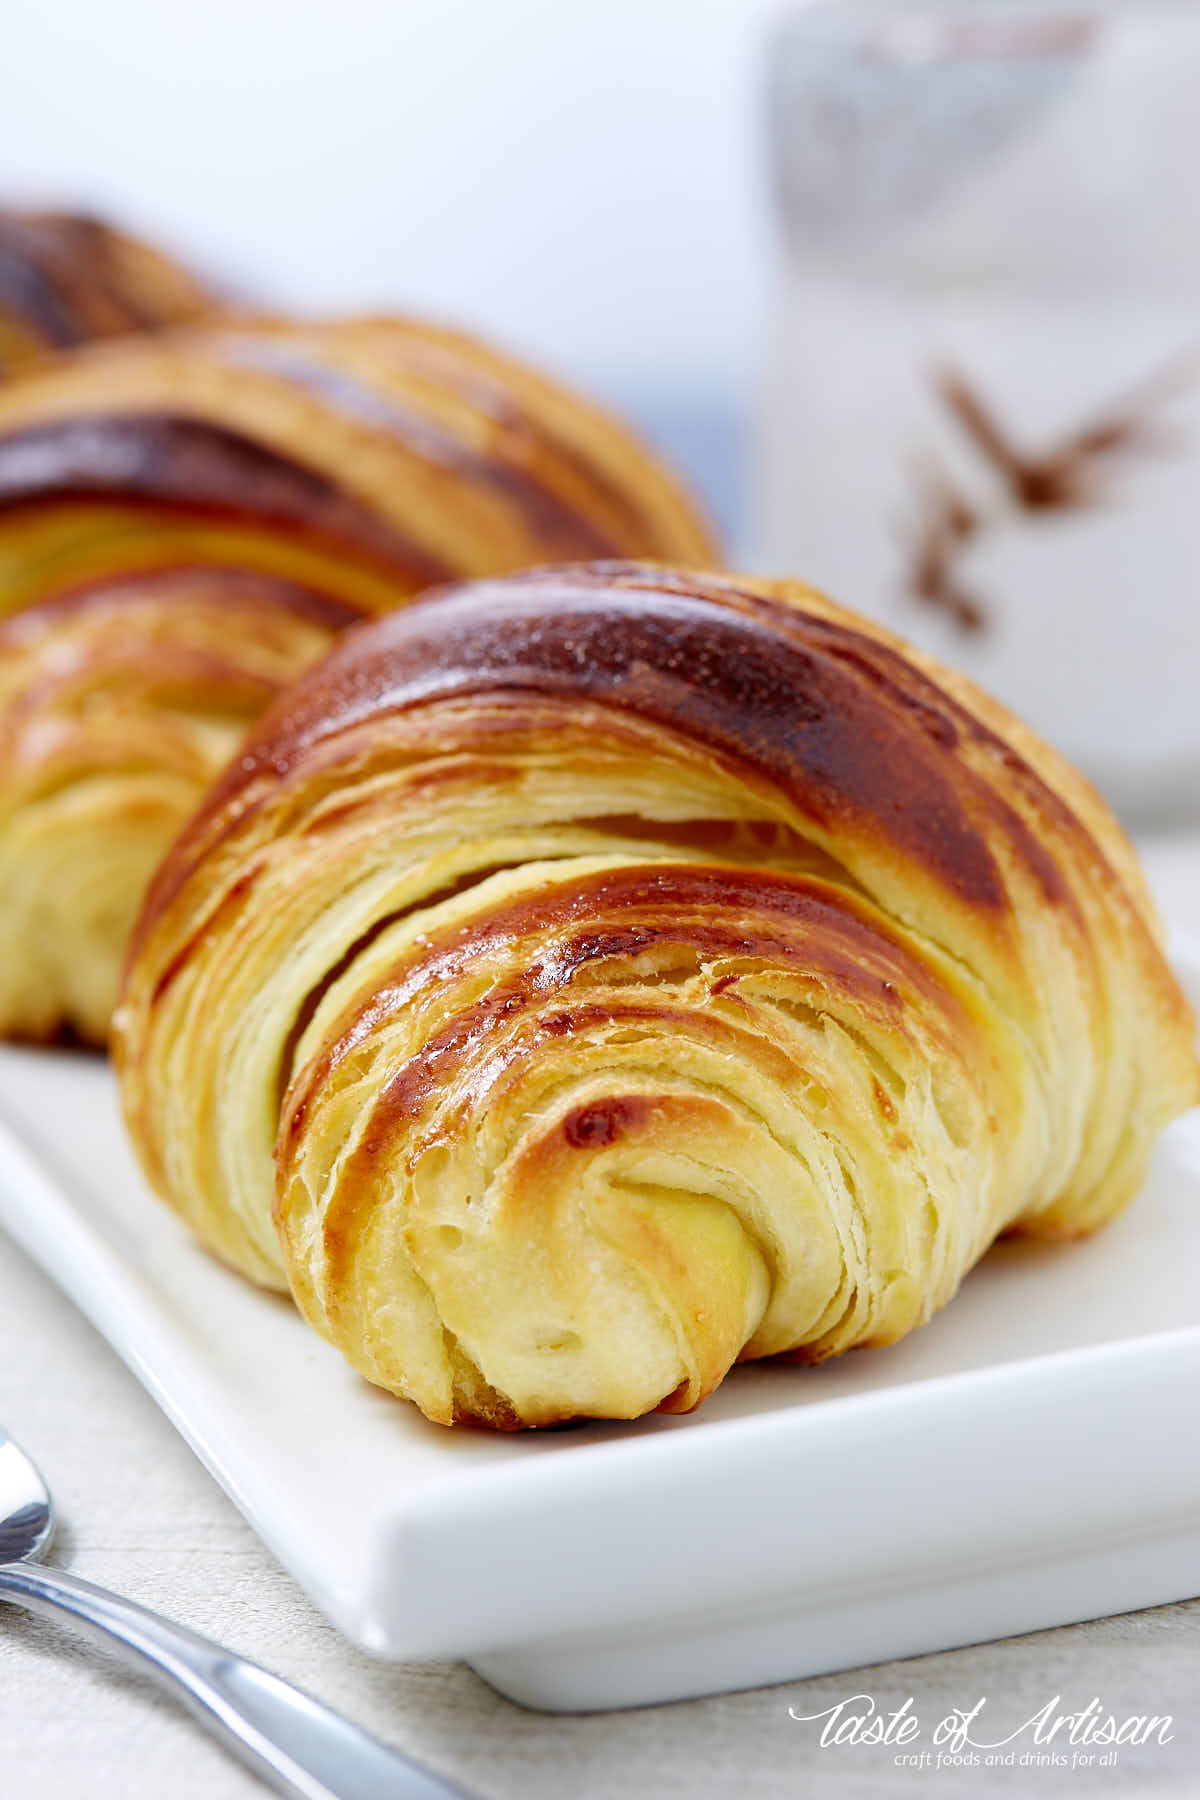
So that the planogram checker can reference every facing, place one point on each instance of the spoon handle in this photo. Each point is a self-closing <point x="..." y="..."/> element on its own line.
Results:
<point x="291" y="1741"/>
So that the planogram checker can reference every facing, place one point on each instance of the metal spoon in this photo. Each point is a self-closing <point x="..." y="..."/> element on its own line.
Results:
<point x="291" y="1741"/>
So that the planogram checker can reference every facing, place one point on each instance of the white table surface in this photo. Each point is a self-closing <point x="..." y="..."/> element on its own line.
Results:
<point x="139" y="1514"/>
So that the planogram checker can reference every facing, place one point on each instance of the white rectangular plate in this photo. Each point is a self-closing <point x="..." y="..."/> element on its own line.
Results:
<point x="1028" y="1459"/>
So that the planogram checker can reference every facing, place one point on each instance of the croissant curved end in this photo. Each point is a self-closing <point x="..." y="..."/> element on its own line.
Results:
<point x="587" y="980"/>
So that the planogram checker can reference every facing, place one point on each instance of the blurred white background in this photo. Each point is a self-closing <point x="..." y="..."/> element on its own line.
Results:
<point x="583" y="180"/>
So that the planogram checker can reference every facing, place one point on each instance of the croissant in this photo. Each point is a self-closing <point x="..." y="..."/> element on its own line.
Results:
<point x="66" y="278"/>
<point x="314" y="472"/>
<point x="586" y="980"/>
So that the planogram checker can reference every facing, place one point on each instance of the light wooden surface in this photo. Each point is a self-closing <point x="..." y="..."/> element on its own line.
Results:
<point x="141" y="1515"/>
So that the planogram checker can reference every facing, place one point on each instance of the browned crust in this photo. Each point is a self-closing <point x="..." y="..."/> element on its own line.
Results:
<point x="602" y="1122"/>
<point x="793" y="696"/>
<point x="191" y="463"/>
<point x="559" y="527"/>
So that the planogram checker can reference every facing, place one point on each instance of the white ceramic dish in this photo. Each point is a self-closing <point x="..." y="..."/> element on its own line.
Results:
<point x="1029" y="1459"/>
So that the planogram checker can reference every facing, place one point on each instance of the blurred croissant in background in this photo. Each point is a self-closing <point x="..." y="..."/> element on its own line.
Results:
<point x="185" y="522"/>
<point x="587" y="980"/>
<point x="66" y="278"/>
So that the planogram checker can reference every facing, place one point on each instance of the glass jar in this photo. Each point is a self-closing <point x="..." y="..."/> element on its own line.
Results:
<point x="982" y="418"/>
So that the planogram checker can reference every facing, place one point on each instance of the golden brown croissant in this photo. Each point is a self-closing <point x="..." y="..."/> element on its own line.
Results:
<point x="66" y="278"/>
<point x="608" y="974"/>
<point x="317" y="471"/>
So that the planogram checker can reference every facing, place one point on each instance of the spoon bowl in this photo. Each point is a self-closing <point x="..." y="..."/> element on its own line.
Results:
<point x="26" y="1509"/>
